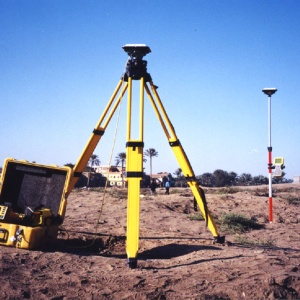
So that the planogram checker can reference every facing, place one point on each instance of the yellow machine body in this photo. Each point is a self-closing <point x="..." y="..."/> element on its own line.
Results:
<point x="32" y="203"/>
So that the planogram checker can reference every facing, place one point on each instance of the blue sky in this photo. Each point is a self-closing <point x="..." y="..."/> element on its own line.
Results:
<point x="60" y="62"/>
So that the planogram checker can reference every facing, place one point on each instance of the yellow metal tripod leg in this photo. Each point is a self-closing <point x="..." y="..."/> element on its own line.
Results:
<point x="134" y="174"/>
<point x="96" y="135"/>
<point x="182" y="159"/>
<point x="191" y="180"/>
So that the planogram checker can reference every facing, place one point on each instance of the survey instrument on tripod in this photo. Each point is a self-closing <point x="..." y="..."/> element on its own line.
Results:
<point x="33" y="197"/>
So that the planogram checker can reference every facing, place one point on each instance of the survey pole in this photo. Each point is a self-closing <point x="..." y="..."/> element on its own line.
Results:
<point x="269" y="92"/>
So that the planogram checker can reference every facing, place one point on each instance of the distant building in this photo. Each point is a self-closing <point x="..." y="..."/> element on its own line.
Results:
<point x="296" y="179"/>
<point x="113" y="174"/>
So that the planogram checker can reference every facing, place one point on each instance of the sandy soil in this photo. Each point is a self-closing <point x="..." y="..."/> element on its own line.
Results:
<point x="177" y="256"/>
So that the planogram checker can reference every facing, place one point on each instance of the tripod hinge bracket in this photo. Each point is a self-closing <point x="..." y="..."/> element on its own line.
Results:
<point x="133" y="174"/>
<point x="175" y="143"/>
<point x="190" y="178"/>
<point x="98" y="131"/>
<point x="134" y="144"/>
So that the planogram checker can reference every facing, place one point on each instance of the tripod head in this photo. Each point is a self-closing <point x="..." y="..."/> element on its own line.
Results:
<point x="136" y="67"/>
<point x="136" y="50"/>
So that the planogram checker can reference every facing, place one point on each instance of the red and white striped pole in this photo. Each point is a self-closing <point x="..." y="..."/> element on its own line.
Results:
<point x="270" y="92"/>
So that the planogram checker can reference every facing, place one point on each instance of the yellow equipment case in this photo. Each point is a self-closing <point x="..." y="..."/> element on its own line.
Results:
<point x="32" y="203"/>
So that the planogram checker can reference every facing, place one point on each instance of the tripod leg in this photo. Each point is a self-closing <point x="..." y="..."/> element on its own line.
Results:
<point x="182" y="159"/>
<point x="134" y="173"/>
<point x="96" y="136"/>
<point x="191" y="180"/>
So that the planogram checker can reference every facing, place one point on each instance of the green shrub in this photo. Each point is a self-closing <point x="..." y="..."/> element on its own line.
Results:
<point x="228" y="190"/>
<point x="176" y="191"/>
<point x="245" y="240"/>
<point x="238" y="223"/>
<point x="196" y="217"/>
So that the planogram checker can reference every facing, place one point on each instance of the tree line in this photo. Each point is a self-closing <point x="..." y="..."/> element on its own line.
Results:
<point x="219" y="178"/>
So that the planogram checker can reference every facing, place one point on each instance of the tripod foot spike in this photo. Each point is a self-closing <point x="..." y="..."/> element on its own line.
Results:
<point x="132" y="263"/>
<point x="220" y="239"/>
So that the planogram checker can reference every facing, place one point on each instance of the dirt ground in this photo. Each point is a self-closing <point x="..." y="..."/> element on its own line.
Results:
<point x="177" y="257"/>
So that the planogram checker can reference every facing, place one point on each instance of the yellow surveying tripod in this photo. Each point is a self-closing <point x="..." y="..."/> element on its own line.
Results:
<point x="136" y="69"/>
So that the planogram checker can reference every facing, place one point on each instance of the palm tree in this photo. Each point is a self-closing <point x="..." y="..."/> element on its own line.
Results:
<point x="121" y="158"/>
<point x="179" y="175"/>
<point x="151" y="152"/>
<point x="94" y="160"/>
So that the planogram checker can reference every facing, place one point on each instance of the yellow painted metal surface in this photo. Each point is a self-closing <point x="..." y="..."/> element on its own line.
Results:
<point x="32" y="203"/>
<point x="179" y="154"/>
<point x="134" y="156"/>
<point x="27" y="237"/>
<point x="97" y="133"/>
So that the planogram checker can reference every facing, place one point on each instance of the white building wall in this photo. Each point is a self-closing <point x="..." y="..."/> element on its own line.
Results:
<point x="296" y="179"/>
